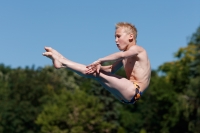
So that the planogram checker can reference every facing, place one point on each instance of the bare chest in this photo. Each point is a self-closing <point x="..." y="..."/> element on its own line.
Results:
<point x="131" y="65"/>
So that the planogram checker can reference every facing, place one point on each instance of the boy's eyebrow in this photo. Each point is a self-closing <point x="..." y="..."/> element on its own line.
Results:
<point x="117" y="34"/>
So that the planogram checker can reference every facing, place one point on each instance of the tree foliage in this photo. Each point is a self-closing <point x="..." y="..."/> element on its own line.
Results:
<point x="48" y="100"/>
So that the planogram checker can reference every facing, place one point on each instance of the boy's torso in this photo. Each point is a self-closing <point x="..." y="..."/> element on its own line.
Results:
<point x="138" y="69"/>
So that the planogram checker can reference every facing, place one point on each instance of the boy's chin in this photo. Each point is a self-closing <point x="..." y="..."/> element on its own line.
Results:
<point x="121" y="49"/>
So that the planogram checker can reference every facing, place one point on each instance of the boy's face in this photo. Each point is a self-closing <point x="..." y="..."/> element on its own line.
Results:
<point x="122" y="39"/>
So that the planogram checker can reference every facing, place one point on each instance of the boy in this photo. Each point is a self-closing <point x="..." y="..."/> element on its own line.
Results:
<point x="133" y="57"/>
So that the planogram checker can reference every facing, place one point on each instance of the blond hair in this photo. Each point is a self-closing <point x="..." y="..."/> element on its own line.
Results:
<point x="128" y="27"/>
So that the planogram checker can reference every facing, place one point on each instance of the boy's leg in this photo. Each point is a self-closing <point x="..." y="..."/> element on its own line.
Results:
<point x="120" y="87"/>
<point x="117" y="85"/>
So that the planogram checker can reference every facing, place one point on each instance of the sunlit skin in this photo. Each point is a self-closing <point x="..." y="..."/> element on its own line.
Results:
<point x="132" y="57"/>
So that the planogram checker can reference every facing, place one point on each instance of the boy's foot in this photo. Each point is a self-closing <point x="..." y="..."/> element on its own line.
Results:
<point x="54" y="56"/>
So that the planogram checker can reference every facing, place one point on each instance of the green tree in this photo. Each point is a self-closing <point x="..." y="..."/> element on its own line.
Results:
<point x="73" y="112"/>
<point x="23" y="92"/>
<point x="183" y="75"/>
<point x="193" y="91"/>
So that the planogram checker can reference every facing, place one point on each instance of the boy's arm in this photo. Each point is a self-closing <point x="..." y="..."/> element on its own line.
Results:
<point x="133" y="51"/>
<point x="112" y="68"/>
<point x="106" y="68"/>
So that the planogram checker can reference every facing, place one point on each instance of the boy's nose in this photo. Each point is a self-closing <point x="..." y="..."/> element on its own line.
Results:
<point x="116" y="39"/>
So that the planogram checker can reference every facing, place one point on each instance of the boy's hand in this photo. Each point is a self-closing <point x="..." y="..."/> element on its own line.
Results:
<point x="95" y="66"/>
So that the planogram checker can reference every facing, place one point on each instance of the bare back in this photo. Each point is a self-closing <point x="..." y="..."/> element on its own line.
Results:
<point x="138" y="68"/>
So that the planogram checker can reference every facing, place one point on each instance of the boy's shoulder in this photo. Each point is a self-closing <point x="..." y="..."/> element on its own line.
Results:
<point x="140" y="48"/>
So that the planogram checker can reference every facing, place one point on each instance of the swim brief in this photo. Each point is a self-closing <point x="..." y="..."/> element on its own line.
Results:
<point x="136" y="97"/>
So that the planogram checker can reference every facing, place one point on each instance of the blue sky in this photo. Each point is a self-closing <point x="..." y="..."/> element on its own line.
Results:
<point x="83" y="30"/>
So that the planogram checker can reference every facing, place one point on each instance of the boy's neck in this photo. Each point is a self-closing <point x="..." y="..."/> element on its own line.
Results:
<point x="130" y="44"/>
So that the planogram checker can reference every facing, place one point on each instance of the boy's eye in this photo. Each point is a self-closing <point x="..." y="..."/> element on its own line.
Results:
<point x="118" y="36"/>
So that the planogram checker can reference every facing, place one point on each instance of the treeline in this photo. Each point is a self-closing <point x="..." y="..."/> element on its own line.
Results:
<point x="47" y="100"/>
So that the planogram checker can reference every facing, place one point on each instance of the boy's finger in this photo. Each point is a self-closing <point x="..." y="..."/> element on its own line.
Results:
<point x="48" y="49"/>
<point x="47" y="54"/>
<point x="90" y="71"/>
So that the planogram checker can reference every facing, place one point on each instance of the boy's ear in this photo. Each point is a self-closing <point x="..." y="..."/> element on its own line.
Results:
<point x="130" y="37"/>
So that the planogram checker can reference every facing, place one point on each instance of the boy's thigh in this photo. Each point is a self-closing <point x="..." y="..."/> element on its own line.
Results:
<point x="119" y="86"/>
